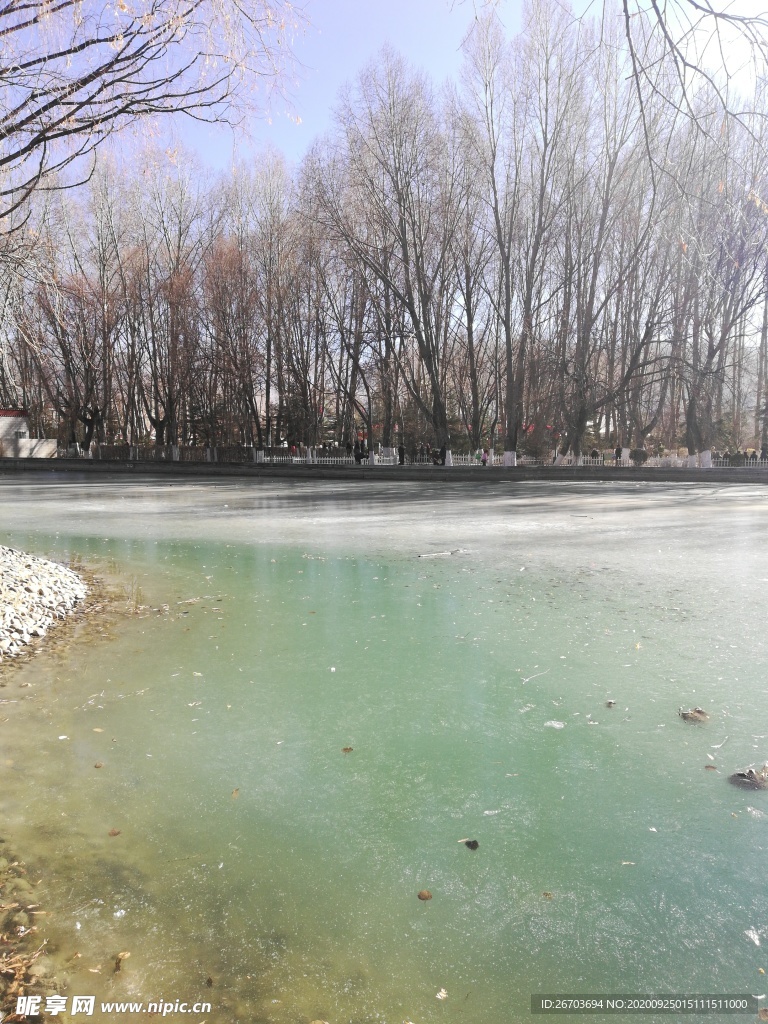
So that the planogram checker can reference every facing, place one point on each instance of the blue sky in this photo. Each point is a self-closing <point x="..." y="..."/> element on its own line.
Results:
<point x="342" y="36"/>
<point x="345" y="35"/>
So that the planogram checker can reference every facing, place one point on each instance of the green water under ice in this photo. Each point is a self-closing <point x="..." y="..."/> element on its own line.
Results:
<point x="438" y="635"/>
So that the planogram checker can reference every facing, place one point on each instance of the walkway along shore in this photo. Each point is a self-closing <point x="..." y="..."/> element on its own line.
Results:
<point x="34" y="594"/>
<point x="393" y="475"/>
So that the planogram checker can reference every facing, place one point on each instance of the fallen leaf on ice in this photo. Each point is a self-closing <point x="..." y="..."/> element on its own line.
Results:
<point x="119" y="961"/>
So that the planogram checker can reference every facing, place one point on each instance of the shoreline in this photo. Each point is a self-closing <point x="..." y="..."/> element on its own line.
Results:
<point x="25" y="966"/>
<point x="36" y="595"/>
<point x="33" y="961"/>
<point x="392" y="475"/>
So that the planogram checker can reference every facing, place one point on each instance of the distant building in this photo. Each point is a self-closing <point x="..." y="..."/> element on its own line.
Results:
<point x="15" y="442"/>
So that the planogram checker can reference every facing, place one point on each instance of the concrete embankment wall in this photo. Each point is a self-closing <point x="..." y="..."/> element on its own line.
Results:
<point x="381" y="474"/>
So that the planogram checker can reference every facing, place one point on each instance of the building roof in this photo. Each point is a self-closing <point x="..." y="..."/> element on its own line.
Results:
<point x="14" y="412"/>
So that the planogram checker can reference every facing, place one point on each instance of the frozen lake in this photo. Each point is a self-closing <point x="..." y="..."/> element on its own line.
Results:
<point x="464" y="643"/>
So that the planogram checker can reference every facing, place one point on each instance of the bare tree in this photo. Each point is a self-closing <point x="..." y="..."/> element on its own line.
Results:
<point x="396" y="162"/>
<point x="680" y="47"/>
<point x="74" y="71"/>
<point x="174" y="223"/>
<point x="242" y="294"/>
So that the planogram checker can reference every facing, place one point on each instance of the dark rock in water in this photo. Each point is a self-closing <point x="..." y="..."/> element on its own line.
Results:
<point x="119" y="961"/>
<point x="693" y="715"/>
<point x="471" y="844"/>
<point x="750" y="779"/>
<point x="425" y="894"/>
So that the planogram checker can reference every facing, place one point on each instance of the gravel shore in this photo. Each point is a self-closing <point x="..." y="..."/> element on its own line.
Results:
<point x="34" y="593"/>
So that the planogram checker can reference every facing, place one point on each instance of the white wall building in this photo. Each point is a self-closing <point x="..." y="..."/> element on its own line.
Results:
<point x="15" y="442"/>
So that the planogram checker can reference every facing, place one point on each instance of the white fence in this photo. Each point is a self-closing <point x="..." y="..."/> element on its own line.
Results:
<point x="242" y="454"/>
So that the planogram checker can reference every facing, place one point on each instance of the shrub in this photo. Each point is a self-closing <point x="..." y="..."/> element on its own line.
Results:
<point x="638" y="456"/>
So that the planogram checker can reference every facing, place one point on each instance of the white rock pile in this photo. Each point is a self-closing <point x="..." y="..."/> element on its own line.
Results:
<point x="34" y="593"/>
